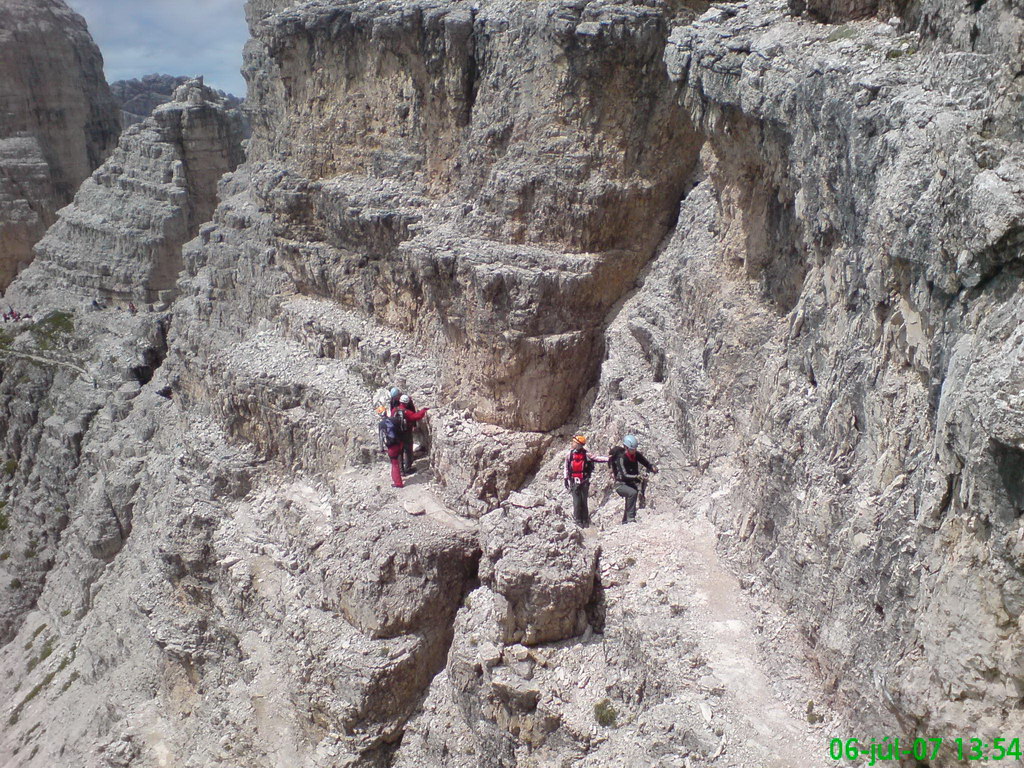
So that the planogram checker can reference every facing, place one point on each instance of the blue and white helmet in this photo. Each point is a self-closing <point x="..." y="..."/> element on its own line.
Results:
<point x="395" y="392"/>
<point x="630" y="442"/>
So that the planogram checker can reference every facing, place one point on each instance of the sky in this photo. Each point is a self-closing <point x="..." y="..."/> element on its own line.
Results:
<point x="169" y="37"/>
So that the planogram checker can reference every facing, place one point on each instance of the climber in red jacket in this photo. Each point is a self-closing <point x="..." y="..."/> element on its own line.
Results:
<point x="406" y="418"/>
<point x="579" y="465"/>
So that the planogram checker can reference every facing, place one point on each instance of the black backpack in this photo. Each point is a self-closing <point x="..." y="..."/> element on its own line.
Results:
<point x="614" y="455"/>
<point x="401" y="423"/>
<point x="389" y="433"/>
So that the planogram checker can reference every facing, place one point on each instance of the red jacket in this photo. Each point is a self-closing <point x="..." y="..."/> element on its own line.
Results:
<point x="410" y="414"/>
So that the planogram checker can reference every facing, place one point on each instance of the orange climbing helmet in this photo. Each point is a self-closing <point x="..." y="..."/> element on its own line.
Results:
<point x="580" y="439"/>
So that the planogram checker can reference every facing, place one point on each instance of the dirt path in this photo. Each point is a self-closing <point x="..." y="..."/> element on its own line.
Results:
<point x="756" y="689"/>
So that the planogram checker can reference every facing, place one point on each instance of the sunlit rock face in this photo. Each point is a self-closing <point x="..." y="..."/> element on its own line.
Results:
<point x="120" y="240"/>
<point x="57" y="120"/>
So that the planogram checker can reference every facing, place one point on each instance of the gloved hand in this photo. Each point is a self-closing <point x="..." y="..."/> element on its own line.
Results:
<point x="654" y="471"/>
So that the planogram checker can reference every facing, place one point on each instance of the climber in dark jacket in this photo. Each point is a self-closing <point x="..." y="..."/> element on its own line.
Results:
<point x="409" y="417"/>
<point x="625" y="462"/>
<point x="396" y="397"/>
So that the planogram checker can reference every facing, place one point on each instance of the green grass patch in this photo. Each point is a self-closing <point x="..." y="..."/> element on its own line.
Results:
<point x="898" y="53"/>
<point x="11" y="466"/>
<point x="15" y="583"/>
<point x="845" y="32"/>
<point x="44" y="654"/>
<point x="605" y="714"/>
<point x="31" y="640"/>
<point x="31" y="695"/>
<point x="43" y="683"/>
<point x="4" y="556"/>
<point x="53" y="330"/>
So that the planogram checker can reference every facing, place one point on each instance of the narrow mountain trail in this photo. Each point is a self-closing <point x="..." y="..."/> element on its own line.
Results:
<point x="753" y="675"/>
<point x="701" y="671"/>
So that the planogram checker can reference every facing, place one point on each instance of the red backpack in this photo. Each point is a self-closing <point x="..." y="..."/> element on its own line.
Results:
<point x="577" y="465"/>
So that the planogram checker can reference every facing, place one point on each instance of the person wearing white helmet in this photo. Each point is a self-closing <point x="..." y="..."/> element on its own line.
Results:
<point x="626" y="461"/>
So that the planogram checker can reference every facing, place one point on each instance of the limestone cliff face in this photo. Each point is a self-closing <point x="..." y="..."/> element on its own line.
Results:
<point x="882" y="231"/>
<point x="57" y="120"/>
<point x="515" y="159"/>
<point x="785" y="253"/>
<point x="139" y="97"/>
<point x="160" y="182"/>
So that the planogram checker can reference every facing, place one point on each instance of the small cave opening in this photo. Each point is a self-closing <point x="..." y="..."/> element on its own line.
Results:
<point x="152" y="357"/>
<point x="1009" y="462"/>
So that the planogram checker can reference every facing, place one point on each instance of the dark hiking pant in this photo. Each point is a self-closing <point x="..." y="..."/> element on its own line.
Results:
<point x="580" y="509"/>
<point x="407" y="467"/>
<point x="629" y="493"/>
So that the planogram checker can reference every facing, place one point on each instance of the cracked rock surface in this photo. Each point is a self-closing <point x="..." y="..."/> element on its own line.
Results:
<point x="57" y="120"/>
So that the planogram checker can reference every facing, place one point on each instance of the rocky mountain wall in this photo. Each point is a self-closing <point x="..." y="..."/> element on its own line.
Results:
<point x="161" y="181"/>
<point x="58" y="121"/>
<point x="783" y="252"/>
<point x="423" y="131"/>
<point x="898" y="206"/>
<point x="138" y="97"/>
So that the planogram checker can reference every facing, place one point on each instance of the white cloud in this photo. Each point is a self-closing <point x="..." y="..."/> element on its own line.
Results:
<point x="174" y="37"/>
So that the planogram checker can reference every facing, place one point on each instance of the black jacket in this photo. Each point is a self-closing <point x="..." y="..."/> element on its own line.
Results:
<point x="625" y="469"/>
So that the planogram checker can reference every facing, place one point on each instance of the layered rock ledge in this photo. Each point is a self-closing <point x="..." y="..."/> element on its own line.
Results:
<point x="58" y="121"/>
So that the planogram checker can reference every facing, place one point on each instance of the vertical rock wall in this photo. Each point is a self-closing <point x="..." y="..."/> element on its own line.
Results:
<point x="867" y="184"/>
<point x="490" y="126"/>
<point x="57" y="120"/>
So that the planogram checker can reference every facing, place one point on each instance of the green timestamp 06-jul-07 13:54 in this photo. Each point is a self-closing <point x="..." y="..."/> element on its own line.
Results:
<point x="890" y="749"/>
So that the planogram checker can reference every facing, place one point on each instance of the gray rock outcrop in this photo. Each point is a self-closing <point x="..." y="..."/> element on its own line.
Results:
<point x="540" y="569"/>
<point x="139" y="97"/>
<point x="57" y="121"/>
<point x="121" y="238"/>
